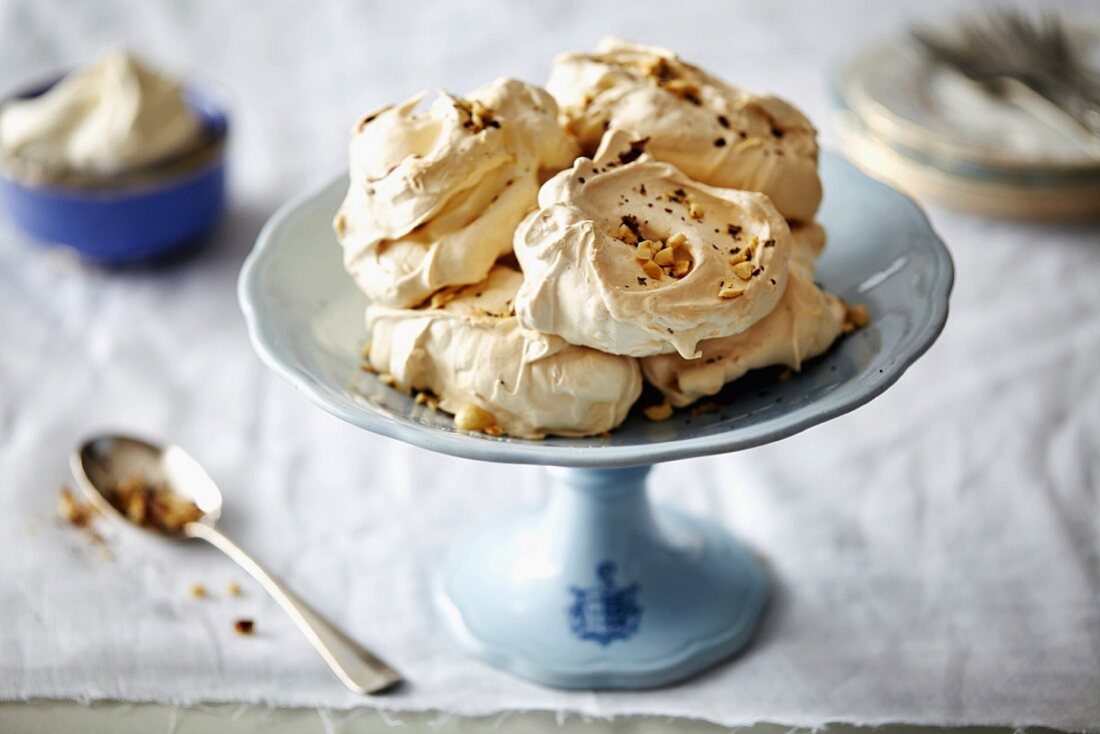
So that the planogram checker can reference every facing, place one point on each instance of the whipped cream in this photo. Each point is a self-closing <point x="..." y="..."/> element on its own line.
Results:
<point x="715" y="133"/>
<point x="803" y="325"/>
<point x="112" y="116"/>
<point x="470" y="350"/>
<point x="435" y="196"/>
<point x="586" y="281"/>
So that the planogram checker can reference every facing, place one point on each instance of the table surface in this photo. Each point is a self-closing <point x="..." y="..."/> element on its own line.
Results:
<point x="945" y="536"/>
<point x="111" y="717"/>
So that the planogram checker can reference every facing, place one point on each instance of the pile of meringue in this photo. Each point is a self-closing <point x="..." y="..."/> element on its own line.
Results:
<point x="531" y="256"/>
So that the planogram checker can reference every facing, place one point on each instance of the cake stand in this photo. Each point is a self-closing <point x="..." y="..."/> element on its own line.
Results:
<point x="600" y="589"/>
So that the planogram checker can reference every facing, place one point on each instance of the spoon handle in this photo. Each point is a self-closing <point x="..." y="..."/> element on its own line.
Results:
<point x="357" y="667"/>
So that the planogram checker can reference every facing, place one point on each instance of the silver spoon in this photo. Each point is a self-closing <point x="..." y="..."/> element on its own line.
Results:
<point x="101" y="463"/>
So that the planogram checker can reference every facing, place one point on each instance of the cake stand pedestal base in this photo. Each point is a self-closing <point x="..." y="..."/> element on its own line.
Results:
<point x="599" y="589"/>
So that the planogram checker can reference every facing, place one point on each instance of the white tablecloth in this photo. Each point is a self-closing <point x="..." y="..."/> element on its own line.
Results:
<point x="936" y="551"/>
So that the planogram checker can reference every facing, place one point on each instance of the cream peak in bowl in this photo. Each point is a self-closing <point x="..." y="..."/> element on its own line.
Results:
<point x="714" y="132"/>
<point x="472" y="357"/>
<point x="630" y="256"/>
<point x="112" y="116"/>
<point x="116" y="160"/>
<point x="434" y="196"/>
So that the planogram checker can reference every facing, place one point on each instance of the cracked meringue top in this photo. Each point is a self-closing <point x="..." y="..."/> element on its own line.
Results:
<point x="434" y="196"/>
<point x="630" y="256"/>
<point x="715" y="133"/>
<point x="804" y="324"/>
<point x="470" y="350"/>
<point x="112" y="116"/>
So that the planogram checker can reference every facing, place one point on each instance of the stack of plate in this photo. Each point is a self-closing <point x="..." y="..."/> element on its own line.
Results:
<point x="932" y="132"/>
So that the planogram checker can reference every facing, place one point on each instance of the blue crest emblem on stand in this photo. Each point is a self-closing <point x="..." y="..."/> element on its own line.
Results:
<point x="606" y="612"/>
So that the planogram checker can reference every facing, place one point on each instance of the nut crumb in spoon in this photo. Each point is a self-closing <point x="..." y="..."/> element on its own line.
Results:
<point x="152" y="504"/>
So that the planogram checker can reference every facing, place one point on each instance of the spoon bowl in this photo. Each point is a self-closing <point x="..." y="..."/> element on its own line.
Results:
<point x="102" y="463"/>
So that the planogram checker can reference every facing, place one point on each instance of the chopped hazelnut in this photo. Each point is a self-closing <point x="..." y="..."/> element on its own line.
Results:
<point x="743" y="270"/>
<point x="681" y="268"/>
<point x="859" y="316"/>
<point x="480" y="116"/>
<point x="695" y="210"/>
<point x="474" y="418"/>
<point x="626" y="234"/>
<point x="652" y="269"/>
<point x="664" y="257"/>
<point x="426" y="398"/>
<point x="737" y="258"/>
<point x="659" y="68"/>
<point x="72" y="510"/>
<point x="480" y="111"/>
<point x="731" y="291"/>
<point x="153" y="504"/>
<point x="136" y="504"/>
<point x="682" y="87"/>
<point x="660" y="412"/>
<point x="80" y="515"/>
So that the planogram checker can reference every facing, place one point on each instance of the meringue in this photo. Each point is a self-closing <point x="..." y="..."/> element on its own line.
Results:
<point x="592" y="256"/>
<point x="807" y="243"/>
<point x="434" y="197"/>
<point x="114" y="115"/>
<point x="715" y="133"/>
<point x="470" y="350"/>
<point x="803" y="325"/>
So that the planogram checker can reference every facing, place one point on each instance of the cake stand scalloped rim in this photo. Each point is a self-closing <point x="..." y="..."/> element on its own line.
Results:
<point x="519" y="451"/>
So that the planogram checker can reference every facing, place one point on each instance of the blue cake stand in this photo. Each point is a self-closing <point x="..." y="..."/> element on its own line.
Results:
<point x="599" y="588"/>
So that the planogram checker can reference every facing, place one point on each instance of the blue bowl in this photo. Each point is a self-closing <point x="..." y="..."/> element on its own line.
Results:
<point x="130" y="223"/>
